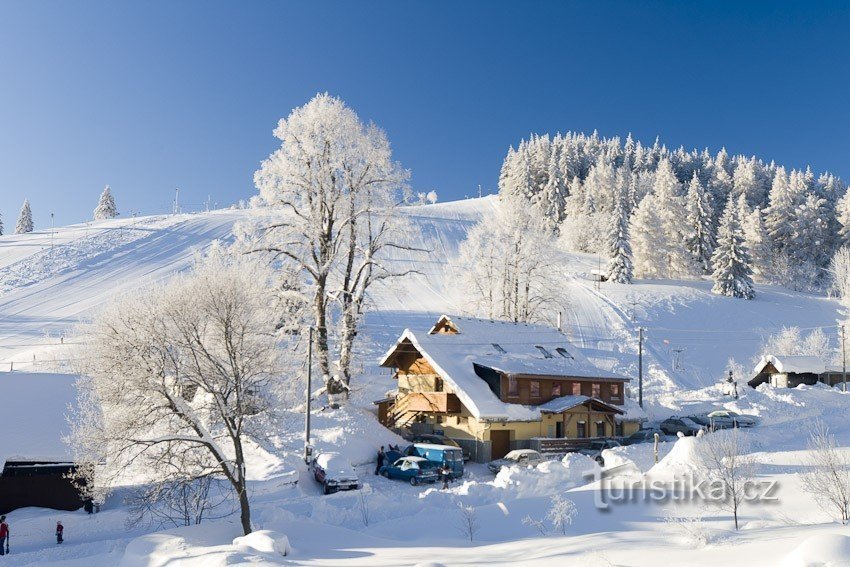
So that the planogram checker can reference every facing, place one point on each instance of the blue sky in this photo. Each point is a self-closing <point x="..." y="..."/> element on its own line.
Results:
<point x="149" y="96"/>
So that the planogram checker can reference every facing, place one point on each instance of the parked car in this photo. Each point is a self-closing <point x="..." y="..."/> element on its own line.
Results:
<point x="737" y="419"/>
<point x="594" y="451"/>
<point x="435" y="439"/>
<point x="684" y="425"/>
<point x="521" y="457"/>
<point x="643" y="436"/>
<point x="414" y="470"/>
<point x="439" y="454"/>
<point x="334" y="473"/>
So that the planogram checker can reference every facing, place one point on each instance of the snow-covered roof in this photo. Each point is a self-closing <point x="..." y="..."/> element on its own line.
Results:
<point x="512" y="348"/>
<point x="558" y="405"/>
<point x="33" y="410"/>
<point x="792" y="364"/>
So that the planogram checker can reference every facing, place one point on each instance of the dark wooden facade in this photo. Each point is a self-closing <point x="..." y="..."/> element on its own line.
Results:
<point x="536" y="390"/>
<point x="43" y="485"/>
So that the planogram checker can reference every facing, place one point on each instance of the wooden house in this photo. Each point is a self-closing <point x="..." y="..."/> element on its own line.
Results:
<point x="787" y="371"/>
<point x="496" y="386"/>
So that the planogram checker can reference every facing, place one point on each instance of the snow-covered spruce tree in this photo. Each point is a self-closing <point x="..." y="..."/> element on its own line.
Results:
<point x="335" y="182"/>
<point x="106" y="206"/>
<point x="620" y="269"/>
<point x="506" y="268"/>
<point x="731" y="259"/>
<point x="677" y="262"/>
<point x="646" y="233"/>
<point x="178" y="378"/>
<point x="757" y="241"/>
<point x="24" y="224"/>
<point x="700" y="240"/>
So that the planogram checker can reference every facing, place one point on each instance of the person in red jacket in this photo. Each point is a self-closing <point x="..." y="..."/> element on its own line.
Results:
<point x="4" y="536"/>
<point x="59" y="530"/>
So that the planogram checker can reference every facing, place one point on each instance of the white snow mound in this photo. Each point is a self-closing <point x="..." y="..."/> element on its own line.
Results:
<point x="823" y="550"/>
<point x="263" y="541"/>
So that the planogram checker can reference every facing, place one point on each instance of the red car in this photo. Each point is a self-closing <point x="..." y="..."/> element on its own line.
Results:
<point x="334" y="473"/>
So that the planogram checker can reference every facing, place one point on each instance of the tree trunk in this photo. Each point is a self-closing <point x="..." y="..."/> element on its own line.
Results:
<point x="320" y="307"/>
<point x="244" y="509"/>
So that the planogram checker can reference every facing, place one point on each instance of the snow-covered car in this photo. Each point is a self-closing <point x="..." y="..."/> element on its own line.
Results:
<point x="643" y="436"/>
<point x="334" y="473"/>
<point x="521" y="457"/>
<point x="414" y="470"/>
<point x="735" y="418"/>
<point x="683" y="425"/>
<point x="594" y="451"/>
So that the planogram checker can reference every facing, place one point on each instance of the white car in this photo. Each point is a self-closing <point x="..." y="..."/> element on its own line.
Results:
<point x="737" y="419"/>
<point x="522" y="457"/>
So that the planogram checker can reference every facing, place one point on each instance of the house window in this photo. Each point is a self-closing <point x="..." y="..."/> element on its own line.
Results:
<point x="595" y="390"/>
<point x="615" y="391"/>
<point x="576" y="389"/>
<point x="563" y="352"/>
<point x="499" y="348"/>
<point x="556" y="390"/>
<point x="534" y="388"/>
<point x="513" y="390"/>
<point x="581" y="429"/>
<point x="618" y="429"/>
<point x="600" y="429"/>
<point x="546" y="353"/>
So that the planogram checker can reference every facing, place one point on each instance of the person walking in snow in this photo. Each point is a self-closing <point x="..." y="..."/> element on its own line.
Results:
<point x="4" y="536"/>
<point x="59" y="530"/>
<point x="445" y="475"/>
<point x="381" y="457"/>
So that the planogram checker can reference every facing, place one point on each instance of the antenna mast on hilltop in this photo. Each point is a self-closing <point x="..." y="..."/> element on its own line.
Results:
<point x="176" y="209"/>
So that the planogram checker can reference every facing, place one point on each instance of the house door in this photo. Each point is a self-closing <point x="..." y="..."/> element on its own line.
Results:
<point x="559" y="429"/>
<point x="500" y="444"/>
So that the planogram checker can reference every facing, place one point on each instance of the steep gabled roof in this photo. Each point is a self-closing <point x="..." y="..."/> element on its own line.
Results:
<point x="512" y="348"/>
<point x="792" y="364"/>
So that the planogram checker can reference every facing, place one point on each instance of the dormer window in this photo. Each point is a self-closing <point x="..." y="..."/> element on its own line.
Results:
<point x="499" y="348"/>
<point x="563" y="352"/>
<point x="546" y="353"/>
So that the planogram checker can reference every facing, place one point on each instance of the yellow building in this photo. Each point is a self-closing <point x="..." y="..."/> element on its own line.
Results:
<point x="497" y="386"/>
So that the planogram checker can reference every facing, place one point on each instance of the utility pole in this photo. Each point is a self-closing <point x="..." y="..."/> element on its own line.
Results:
<point x="843" y="361"/>
<point x="640" y="366"/>
<point x="307" y="449"/>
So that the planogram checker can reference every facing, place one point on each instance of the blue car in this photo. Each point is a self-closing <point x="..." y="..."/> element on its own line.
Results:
<point x="414" y="470"/>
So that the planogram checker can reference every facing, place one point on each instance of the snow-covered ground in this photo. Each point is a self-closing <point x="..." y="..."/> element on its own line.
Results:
<point x="690" y="332"/>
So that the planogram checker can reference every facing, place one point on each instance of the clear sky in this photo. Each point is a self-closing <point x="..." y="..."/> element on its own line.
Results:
<point x="149" y="96"/>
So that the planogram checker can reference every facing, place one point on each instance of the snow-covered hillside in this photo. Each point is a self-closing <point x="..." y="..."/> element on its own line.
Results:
<point x="690" y="333"/>
<point x="47" y="283"/>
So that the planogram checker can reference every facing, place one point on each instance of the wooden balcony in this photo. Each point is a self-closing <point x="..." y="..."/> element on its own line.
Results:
<point x="437" y="402"/>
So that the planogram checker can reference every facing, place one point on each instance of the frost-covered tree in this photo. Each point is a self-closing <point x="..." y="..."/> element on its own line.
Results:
<point x="790" y="341"/>
<point x="106" y="206"/>
<point x="827" y="476"/>
<point x="562" y="512"/>
<point x="723" y="457"/>
<point x="620" y="269"/>
<point x="338" y="189"/>
<point x="810" y="237"/>
<point x="1" y="225"/>
<point x="731" y="260"/>
<point x="646" y="233"/>
<point x="839" y="273"/>
<point x="507" y="268"/>
<point x="676" y="262"/>
<point x="757" y="240"/>
<point x="24" y="224"/>
<point x="178" y="379"/>
<point x="700" y="240"/>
